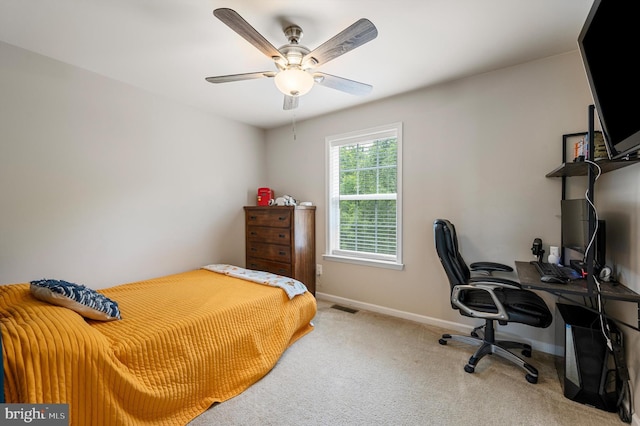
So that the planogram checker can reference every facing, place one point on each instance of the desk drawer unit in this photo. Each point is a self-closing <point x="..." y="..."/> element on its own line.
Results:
<point x="281" y="240"/>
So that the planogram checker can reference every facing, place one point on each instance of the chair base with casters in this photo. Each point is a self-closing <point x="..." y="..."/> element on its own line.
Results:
<point x="488" y="345"/>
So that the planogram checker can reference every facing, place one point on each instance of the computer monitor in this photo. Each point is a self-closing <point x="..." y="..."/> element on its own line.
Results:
<point x="575" y="230"/>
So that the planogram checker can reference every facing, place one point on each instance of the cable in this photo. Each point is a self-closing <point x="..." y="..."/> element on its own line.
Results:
<point x="625" y="399"/>
<point x="595" y="211"/>
<point x="604" y="325"/>
<point x="293" y="126"/>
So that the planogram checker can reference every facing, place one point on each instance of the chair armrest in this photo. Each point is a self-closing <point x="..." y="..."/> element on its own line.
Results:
<point x="490" y="267"/>
<point x="496" y="281"/>
<point x="487" y="284"/>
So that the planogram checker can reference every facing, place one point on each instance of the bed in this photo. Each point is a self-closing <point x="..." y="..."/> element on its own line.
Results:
<point x="185" y="342"/>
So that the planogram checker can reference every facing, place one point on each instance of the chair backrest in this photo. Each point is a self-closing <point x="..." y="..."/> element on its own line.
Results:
<point x="446" y="243"/>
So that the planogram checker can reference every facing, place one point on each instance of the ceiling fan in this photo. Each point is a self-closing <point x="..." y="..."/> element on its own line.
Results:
<point x="295" y="63"/>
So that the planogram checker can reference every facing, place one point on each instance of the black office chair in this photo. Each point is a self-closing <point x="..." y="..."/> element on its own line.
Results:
<point x="489" y="298"/>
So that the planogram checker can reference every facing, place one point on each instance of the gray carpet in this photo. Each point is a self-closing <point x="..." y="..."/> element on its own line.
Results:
<point x="370" y="369"/>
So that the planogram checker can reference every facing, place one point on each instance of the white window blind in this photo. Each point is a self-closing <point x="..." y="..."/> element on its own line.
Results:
<point x="364" y="191"/>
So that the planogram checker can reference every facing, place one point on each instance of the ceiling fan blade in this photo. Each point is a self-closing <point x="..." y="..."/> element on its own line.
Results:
<point x="290" y="102"/>
<point x="359" y="33"/>
<point x="234" y="21"/>
<point x="343" y="84"/>
<point x="240" y="77"/>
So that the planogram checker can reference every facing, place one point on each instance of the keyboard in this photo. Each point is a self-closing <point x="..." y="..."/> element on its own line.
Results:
<point x="553" y="270"/>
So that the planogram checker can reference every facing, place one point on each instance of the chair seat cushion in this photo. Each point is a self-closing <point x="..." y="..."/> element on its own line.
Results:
<point x="523" y="306"/>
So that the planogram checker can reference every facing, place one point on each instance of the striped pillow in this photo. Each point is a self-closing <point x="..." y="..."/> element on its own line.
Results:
<point x="85" y="301"/>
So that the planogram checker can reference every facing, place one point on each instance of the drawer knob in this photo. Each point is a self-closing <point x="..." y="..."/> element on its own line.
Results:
<point x="282" y="253"/>
<point x="254" y="249"/>
<point x="282" y="218"/>
<point x="254" y="233"/>
<point x="281" y="235"/>
<point x="253" y="217"/>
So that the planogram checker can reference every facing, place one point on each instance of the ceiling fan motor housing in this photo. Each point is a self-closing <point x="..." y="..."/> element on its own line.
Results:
<point x="294" y="54"/>
<point x="293" y="34"/>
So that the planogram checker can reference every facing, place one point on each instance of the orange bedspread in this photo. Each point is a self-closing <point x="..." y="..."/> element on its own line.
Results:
<point x="185" y="341"/>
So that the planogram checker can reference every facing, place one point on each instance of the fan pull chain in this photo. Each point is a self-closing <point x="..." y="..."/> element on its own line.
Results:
<point x="293" y="126"/>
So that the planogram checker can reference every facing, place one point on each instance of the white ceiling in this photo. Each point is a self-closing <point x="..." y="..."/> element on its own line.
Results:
<point x="168" y="47"/>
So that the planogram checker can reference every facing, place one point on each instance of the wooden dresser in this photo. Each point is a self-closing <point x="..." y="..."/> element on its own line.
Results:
<point x="282" y="240"/>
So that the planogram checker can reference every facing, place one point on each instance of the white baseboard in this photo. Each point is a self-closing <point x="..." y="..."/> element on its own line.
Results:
<point x="436" y="322"/>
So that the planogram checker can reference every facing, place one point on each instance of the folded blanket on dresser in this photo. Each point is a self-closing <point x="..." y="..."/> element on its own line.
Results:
<point x="184" y="342"/>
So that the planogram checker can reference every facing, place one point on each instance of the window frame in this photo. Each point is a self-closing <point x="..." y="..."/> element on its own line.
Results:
<point x="332" y="252"/>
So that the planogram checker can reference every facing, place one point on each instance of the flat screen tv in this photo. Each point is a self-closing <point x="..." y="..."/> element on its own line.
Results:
<point x="610" y="47"/>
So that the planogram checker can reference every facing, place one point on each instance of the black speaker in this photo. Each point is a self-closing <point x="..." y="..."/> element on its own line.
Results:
<point x="587" y="371"/>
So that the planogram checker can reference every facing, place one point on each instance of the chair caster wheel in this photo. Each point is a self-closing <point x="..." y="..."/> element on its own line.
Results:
<point x="442" y="341"/>
<point x="531" y="379"/>
<point x="526" y="352"/>
<point x="469" y="368"/>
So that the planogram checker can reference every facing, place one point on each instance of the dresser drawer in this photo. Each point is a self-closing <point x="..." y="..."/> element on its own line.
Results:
<point x="269" y="251"/>
<point x="264" y="234"/>
<point x="269" y="217"/>
<point x="268" y="266"/>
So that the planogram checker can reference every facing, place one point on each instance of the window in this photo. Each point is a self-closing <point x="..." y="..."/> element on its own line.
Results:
<point x="364" y="197"/>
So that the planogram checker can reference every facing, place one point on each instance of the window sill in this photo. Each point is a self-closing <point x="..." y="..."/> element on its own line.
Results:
<point x="364" y="262"/>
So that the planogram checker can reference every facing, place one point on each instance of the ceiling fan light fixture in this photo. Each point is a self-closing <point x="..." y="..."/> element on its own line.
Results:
<point x="294" y="82"/>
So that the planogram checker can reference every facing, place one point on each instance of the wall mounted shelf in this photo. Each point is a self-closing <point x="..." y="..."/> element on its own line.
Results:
<point x="580" y="168"/>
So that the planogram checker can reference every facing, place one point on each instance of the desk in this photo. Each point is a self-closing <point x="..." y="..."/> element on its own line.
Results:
<point x="530" y="278"/>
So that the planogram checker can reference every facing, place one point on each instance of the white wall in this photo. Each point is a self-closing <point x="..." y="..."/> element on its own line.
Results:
<point x="102" y="183"/>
